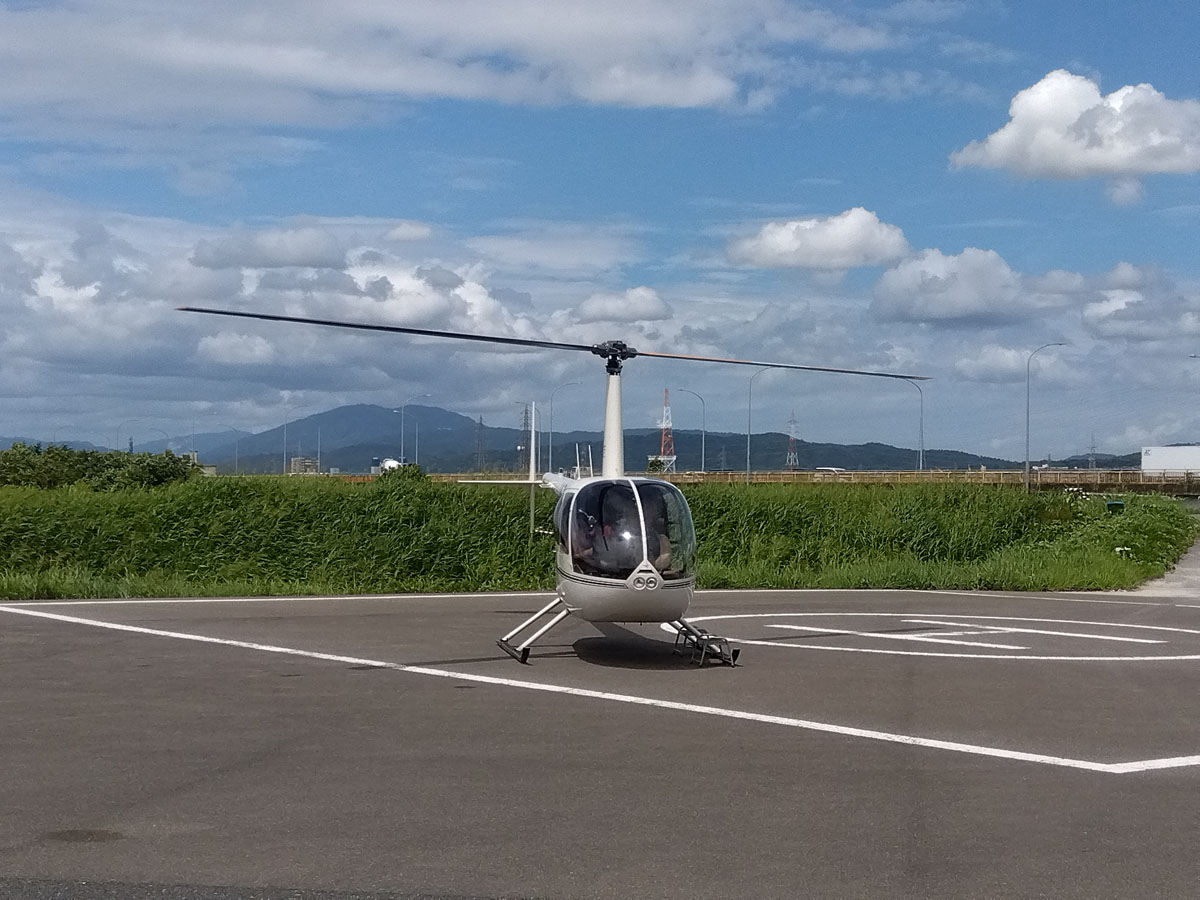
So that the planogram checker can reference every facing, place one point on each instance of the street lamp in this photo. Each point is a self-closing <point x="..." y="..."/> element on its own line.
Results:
<point x="236" y="444"/>
<point x="1028" y="363"/>
<point x="117" y="441"/>
<point x="403" y="406"/>
<point x="749" y="409"/>
<point x="286" y="415"/>
<point x="920" y="428"/>
<point x="550" y="449"/>
<point x="702" y="427"/>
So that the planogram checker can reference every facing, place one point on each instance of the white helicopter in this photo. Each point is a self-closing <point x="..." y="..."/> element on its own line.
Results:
<point x="625" y="545"/>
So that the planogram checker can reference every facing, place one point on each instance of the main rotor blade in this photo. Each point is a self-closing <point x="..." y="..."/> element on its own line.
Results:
<point x="607" y="350"/>
<point x="395" y="329"/>
<point x="773" y="365"/>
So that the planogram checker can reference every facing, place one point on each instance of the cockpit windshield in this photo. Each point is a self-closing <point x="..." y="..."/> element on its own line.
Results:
<point x="614" y="528"/>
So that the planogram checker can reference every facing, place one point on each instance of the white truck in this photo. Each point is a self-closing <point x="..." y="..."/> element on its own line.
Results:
<point x="1171" y="460"/>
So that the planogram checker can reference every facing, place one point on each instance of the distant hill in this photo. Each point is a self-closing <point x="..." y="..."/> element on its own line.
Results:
<point x="349" y="437"/>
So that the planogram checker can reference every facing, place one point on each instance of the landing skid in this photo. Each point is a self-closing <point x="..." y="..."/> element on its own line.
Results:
<point x="702" y="644"/>
<point x="520" y="652"/>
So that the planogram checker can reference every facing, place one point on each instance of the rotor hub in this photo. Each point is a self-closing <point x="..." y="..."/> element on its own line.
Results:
<point x="614" y="353"/>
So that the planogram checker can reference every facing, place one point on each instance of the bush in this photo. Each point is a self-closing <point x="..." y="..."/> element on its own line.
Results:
<point x="57" y="466"/>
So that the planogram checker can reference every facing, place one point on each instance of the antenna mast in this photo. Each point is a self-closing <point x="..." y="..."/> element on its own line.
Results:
<point x="793" y="459"/>
<point x="666" y="445"/>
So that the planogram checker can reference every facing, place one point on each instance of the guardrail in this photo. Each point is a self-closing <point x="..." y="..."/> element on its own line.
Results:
<point x="1130" y="480"/>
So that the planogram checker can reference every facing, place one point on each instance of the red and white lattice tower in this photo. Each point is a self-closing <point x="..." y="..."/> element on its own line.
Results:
<point x="793" y="458"/>
<point x="665" y="460"/>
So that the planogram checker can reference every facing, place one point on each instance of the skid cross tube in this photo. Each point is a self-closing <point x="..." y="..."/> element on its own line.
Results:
<point x="521" y="651"/>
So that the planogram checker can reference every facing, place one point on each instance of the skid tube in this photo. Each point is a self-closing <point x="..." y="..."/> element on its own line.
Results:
<point x="521" y="651"/>
<point x="703" y="644"/>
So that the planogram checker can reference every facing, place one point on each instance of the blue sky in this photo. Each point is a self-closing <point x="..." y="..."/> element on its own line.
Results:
<point x="926" y="186"/>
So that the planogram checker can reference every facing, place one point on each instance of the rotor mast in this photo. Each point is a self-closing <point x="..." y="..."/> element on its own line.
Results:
<point x="612" y="463"/>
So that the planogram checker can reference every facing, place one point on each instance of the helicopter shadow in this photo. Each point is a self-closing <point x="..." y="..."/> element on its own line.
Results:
<point x="624" y="649"/>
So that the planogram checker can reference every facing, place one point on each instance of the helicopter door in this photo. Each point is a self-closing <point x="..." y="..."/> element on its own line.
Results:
<point x="606" y="530"/>
<point x="670" y="535"/>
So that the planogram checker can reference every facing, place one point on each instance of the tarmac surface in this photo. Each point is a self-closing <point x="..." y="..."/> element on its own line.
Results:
<point x="871" y="744"/>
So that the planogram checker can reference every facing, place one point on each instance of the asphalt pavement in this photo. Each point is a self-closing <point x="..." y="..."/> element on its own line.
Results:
<point x="872" y="744"/>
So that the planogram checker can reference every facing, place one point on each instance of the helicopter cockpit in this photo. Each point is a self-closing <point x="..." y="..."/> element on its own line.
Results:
<point x="608" y="528"/>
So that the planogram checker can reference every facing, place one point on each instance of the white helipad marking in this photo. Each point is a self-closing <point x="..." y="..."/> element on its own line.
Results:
<point x="900" y="637"/>
<point x="173" y="601"/>
<point x="999" y="629"/>
<point x="957" y="623"/>
<point x="806" y="724"/>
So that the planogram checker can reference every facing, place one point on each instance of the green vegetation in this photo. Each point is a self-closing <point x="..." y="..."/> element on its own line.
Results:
<point x="56" y="466"/>
<point x="254" y="536"/>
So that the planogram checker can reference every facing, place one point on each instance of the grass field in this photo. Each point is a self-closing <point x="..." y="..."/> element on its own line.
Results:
<point x="260" y="536"/>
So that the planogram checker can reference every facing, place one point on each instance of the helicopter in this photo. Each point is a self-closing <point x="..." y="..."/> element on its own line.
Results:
<point x="625" y="546"/>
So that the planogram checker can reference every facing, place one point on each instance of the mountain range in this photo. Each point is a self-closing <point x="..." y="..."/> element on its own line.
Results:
<point x="350" y="438"/>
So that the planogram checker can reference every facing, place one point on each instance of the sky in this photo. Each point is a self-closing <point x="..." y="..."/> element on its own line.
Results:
<point x="926" y="187"/>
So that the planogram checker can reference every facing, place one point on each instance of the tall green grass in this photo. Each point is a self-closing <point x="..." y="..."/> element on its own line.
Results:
<point x="300" y="536"/>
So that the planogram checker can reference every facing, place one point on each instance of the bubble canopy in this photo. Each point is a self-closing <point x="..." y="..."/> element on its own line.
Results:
<point x="609" y="527"/>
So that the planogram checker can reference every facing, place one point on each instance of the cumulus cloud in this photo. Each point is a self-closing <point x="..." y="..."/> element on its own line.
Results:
<point x="557" y="247"/>
<point x="311" y="247"/>
<point x="976" y="285"/>
<point x="1062" y="127"/>
<point x="972" y="287"/>
<point x="409" y="231"/>
<point x="1136" y="303"/>
<point x="993" y="364"/>
<point x="636" y="304"/>
<point x="852" y="238"/>
<point x="236" y="349"/>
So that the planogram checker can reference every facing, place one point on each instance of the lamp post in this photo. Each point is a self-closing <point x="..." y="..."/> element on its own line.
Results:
<point x="117" y="440"/>
<point x="404" y="406"/>
<point x="286" y="415"/>
<point x="920" y="428"/>
<point x="702" y="425"/>
<point x="749" y="410"/>
<point x="236" y="444"/>
<point x="550" y="449"/>
<point x="1028" y="364"/>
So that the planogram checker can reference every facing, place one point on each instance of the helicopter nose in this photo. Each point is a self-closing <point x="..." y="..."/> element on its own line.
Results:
<point x="646" y="578"/>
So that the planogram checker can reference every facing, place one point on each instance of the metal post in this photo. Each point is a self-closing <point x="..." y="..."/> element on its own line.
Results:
<point x="550" y="449"/>
<point x="920" y="428"/>
<point x="749" y="410"/>
<point x="702" y="424"/>
<point x="1028" y="363"/>
<point x="403" y="406"/>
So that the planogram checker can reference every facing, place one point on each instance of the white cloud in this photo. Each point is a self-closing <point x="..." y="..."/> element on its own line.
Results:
<point x="315" y="247"/>
<point x="852" y="238"/>
<point x="1062" y="127"/>
<point x="557" y="247"/>
<point x="992" y="364"/>
<point x="639" y="304"/>
<point x="975" y="285"/>
<point x="1139" y="304"/>
<point x="236" y="349"/>
<point x="409" y="231"/>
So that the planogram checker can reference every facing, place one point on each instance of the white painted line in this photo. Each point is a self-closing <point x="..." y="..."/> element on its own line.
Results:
<point x="805" y="724"/>
<point x="977" y="595"/>
<point x="1056" y="597"/>
<point x="999" y="629"/>
<point x="899" y="637"/>
<point x="1009" y="657"/>
<point x="176" y="601"/>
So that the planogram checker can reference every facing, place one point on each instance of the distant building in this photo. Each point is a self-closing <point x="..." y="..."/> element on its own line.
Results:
<point x="303" y="465"/>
